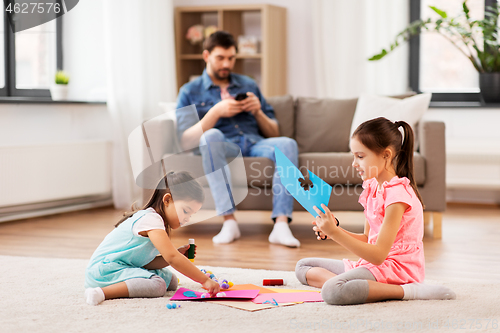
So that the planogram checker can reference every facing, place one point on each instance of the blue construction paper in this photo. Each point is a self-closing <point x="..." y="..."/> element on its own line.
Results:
<point x="318" y="194"/>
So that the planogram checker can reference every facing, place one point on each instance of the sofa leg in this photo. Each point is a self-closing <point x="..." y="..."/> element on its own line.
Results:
<point x="427" y="218"/>
<point x="437" y="222"/>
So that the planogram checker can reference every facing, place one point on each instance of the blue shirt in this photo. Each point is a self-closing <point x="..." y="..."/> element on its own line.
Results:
<point x="204" y="94"/>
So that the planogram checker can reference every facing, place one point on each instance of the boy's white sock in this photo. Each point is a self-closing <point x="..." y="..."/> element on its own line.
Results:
<point x="427" y="291"/>
<point x="229" y="232"/>
<point x="94" y="296"/>
<point x="282" y="235"/>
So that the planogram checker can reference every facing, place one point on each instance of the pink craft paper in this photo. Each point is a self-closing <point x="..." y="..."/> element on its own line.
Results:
<point x="239" y="294"/>
<point x="288" y="297"/>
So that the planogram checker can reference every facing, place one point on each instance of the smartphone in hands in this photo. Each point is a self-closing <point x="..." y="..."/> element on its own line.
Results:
<point x="240" y="96"/>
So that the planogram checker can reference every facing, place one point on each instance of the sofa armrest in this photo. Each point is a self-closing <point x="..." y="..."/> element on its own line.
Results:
<point x="433" y="149"/>
<point x="160" y="134"/>
<point x="160" y="139"/>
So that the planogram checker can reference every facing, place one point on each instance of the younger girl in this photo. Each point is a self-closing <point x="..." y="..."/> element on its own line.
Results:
<point x="127" y="264"/>
<point x="391" y="248"/>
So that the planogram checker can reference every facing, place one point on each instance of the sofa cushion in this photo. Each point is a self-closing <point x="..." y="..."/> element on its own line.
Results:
<point x="409" y="109"/>
<point x="284" y="110"/>
<point x="336" y="168"/>
<point x="323" y="124"/>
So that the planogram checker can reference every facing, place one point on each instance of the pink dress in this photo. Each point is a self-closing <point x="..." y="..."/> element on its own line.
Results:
<point x="405" y="262"/>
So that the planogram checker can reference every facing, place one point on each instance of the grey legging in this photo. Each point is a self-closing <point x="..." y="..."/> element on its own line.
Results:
<point x="346" y="288"/>
<point x="155" y="286"/>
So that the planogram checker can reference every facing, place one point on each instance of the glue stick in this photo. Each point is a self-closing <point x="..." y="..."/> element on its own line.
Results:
<point x="274" y="282"/>
<point x="191" y="249"/>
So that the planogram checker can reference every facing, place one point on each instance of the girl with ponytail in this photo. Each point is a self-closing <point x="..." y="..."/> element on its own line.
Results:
<point x="391" y="264"/>
<point x="131" y="261"/>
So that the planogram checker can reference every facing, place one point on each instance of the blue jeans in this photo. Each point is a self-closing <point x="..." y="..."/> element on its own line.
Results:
<point x="214" y="158"/>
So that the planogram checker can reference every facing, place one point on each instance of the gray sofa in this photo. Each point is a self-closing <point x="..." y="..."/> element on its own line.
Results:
<point x="321" y="128"/>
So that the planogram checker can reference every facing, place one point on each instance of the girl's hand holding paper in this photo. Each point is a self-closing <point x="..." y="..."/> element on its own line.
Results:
<point x="325" y="222"/>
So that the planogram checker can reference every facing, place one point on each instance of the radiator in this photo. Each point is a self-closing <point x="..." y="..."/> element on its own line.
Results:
<point x="34" y="174"/>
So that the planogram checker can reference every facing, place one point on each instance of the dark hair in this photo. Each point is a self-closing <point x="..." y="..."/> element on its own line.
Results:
<point x="380" y="133"/>
<point x="219" y="38"/>
<point x="181" y="183"/>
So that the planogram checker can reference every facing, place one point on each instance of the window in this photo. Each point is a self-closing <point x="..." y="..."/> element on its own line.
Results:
<point x="435" y="64"/>
<point x="31" y="58"/>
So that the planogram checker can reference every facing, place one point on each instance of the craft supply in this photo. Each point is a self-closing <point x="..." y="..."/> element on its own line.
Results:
<point x="191" y="249"/>
<point x="183" y="294"/>
<point x="173" y="306"/>
<point x="273" y="302"/>
<point x="289" y="297"/>
<point x="309" y="191"/>
<point x="326" y="237"/>
<point x="274" y="282"/>
<point x="223" y="283"/>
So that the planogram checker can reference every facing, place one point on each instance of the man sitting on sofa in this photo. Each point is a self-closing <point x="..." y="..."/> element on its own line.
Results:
<point x="248" y="123"/>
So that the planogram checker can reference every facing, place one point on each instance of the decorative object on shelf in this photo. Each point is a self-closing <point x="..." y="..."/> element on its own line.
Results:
<point x="247" y="44"/>
<point x="478" y="40"/>
<point x="195" y="34"/>
<point x="210" y="30"/>
<point x="59" y="90"/>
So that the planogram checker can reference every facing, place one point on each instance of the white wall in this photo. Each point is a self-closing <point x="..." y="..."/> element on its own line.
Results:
<point x="299" y="40"/>
<point x="26" y="124"/>
<point x="472" y="153"/>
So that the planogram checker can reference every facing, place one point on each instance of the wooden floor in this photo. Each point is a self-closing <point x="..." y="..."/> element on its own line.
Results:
<point x="470" y="247"/>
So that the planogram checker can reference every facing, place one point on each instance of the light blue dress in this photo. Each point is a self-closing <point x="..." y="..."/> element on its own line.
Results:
<point x="121" y="256"/>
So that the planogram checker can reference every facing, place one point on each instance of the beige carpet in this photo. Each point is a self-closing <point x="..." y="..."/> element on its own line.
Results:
<point x="46" y="295"/>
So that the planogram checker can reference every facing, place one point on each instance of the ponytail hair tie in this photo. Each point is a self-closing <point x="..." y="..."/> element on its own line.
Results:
<point x="399" y="123"/>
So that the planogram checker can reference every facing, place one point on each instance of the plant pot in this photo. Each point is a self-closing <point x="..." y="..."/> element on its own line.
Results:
<point x="59" y="92"/>
<point x="489" y="84"/>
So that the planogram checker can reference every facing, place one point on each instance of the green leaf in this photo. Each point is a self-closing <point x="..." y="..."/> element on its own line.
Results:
<point x="439" y="11"/>
<point x="466" y="10"/>
<point x="379" y="56"/>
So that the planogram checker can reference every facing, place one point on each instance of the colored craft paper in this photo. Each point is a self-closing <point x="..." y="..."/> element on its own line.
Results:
<point x="288" y="297"/>
<point x="279" y="290"/>
<point x="308" y="196"/>
<point x="239" y="294"/>
<point x="249" y="286"/>
<point x="248" y="305"/>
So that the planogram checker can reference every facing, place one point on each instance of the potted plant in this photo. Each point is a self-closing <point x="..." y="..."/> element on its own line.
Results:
<point x="478" y="40"/>
<point x="59" y="90"/>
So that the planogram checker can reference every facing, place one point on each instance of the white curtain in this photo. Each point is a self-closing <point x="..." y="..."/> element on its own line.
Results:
<point x="140" y="61"/>
<point x="346" y="34"/>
